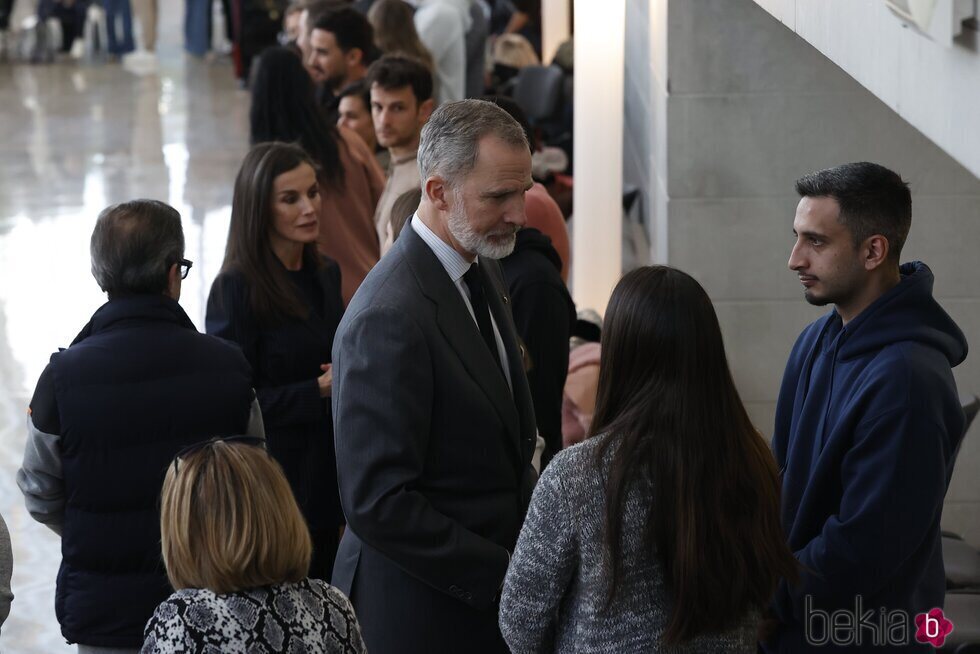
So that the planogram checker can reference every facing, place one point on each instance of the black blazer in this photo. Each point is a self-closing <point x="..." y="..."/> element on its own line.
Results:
<point x="285" y="360"/>
<point x="433" y="456"/>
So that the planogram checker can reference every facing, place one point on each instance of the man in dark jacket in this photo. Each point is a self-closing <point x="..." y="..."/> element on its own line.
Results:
<point x="867" y="422"/>
<point x="543" y="314"/>
<point x="137" y="385"/>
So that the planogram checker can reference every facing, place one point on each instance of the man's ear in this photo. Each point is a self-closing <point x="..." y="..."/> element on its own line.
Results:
<point x="425" y="110"/>
<point x="875" y="251"/>
<point x="173" y="282"/>
<point x="437" y="191"/>
<point x="354" y="56"/>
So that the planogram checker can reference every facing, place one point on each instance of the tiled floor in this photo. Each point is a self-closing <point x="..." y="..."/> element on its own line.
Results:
<point x="74" y="138"/>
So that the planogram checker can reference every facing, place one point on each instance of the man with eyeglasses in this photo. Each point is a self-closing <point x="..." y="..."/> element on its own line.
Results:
<point x="138" y="384"/>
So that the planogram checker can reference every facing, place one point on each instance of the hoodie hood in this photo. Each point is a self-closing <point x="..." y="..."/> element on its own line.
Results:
<point x="529" y="238"/>
<point x="906" y="313"/>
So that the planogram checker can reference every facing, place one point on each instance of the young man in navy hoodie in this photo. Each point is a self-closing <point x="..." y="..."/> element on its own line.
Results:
<point x="867" y="422"/>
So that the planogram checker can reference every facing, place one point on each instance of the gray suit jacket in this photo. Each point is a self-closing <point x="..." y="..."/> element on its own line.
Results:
<point x="433" y="454"/>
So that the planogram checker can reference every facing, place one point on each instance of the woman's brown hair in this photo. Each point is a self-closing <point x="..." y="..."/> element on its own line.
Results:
<point x="672" y="418"/>
<point x="229" y="521"/>
<point x="272" y="296"/>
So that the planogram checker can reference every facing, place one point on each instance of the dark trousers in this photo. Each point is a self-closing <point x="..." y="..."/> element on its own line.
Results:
<point x="6" y="9"/>
<point x="117" y="11"/>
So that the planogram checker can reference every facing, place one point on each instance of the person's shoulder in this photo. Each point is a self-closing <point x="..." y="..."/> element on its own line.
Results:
<point x="583" y="455"/>
<point x="179" y="601"/>
<point x="355" y="145"/>
<point x="328" y="268"/>
<point x="229" y="283"/>
<point x="325" y="591"/>
<point x="910" y="370"/>
<point x="578" y="462"/>
<point x="390" y="283"/>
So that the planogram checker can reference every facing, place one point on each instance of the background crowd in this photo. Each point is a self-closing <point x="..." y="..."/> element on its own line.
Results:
<point x="400" y="372"/>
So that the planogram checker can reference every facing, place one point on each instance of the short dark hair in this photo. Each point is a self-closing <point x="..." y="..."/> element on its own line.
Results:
<point x="397" y="71"/>
<point x="357" y="90"/>
<point x="317" y="8"/>
<point x="350" y="28"/>
<point x="133" y="246"/>
<point x="872" y="198"/>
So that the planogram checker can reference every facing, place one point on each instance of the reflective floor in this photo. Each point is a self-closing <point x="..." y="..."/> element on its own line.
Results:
<point x="74" y="138"/>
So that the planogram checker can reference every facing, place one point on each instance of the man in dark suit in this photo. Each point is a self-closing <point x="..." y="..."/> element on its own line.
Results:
<point x="433" y="418"/>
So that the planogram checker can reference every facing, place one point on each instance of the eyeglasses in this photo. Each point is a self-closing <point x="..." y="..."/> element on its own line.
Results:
<point x="185" y="267"/>
<point x="196" y="447"/>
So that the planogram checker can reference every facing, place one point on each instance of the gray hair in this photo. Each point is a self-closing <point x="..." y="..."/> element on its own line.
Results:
<point x="133" y="246"/>
<point x="450" y="139"/>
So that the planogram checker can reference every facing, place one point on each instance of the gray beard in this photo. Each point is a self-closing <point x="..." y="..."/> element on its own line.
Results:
<point x="473" y="242"/>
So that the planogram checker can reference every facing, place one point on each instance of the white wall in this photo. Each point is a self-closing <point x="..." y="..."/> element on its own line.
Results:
<point x="745" y="108"/>
<point x="934" y="87"/>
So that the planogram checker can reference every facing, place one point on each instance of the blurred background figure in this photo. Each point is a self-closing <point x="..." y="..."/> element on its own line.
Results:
<point x="255" y="27"/>
<point x="544" y="312"/>
<point x="341" y="48"/>
<point x="511" y="53"/>
<point x="280" y="301"/>
<point x="237" y="553"/>
<point x="442" y="27"/>
<point x="395" y="33"/>
<point x="292" y="22"/>
<point x="119" y="26"/>
<point x="526" y="21"/>
<point x="284" y="109"/>
<point x="582" y="381"/>
<point x="476" y="50"/>
<point x="354" y="113"/>
<point x="403" y="209"/>
<point x="146" y="14"/>
<point x="401" y="103"/>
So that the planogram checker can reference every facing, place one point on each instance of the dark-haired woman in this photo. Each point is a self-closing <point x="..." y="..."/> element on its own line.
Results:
<point x="284" y="109"/>
<point x="280" y="301"/>
<point x="662" y="529"/>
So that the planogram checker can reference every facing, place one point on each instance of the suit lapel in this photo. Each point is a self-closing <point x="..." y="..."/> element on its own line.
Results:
<point x="460" y="330"/>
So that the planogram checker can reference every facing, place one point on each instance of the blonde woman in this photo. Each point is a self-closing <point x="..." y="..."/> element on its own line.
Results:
<point x="237" y="551"/>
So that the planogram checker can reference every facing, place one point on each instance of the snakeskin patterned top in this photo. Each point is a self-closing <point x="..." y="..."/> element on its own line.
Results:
<point x="308" y="616"/>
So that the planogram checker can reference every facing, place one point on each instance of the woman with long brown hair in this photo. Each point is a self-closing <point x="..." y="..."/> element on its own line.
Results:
<point x="281" y="303"/>
<point x="662" y="529"/>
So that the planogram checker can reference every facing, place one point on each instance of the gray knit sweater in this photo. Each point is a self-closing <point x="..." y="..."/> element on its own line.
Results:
<point x="555" y="588"/>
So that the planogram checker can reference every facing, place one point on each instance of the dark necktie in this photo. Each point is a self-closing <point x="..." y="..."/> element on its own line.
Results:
<point x="481" y="309"/>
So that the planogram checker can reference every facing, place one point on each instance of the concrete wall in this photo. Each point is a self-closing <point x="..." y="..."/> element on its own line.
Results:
<point x="907" y="71"/>
<point x="749" y="108"/>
